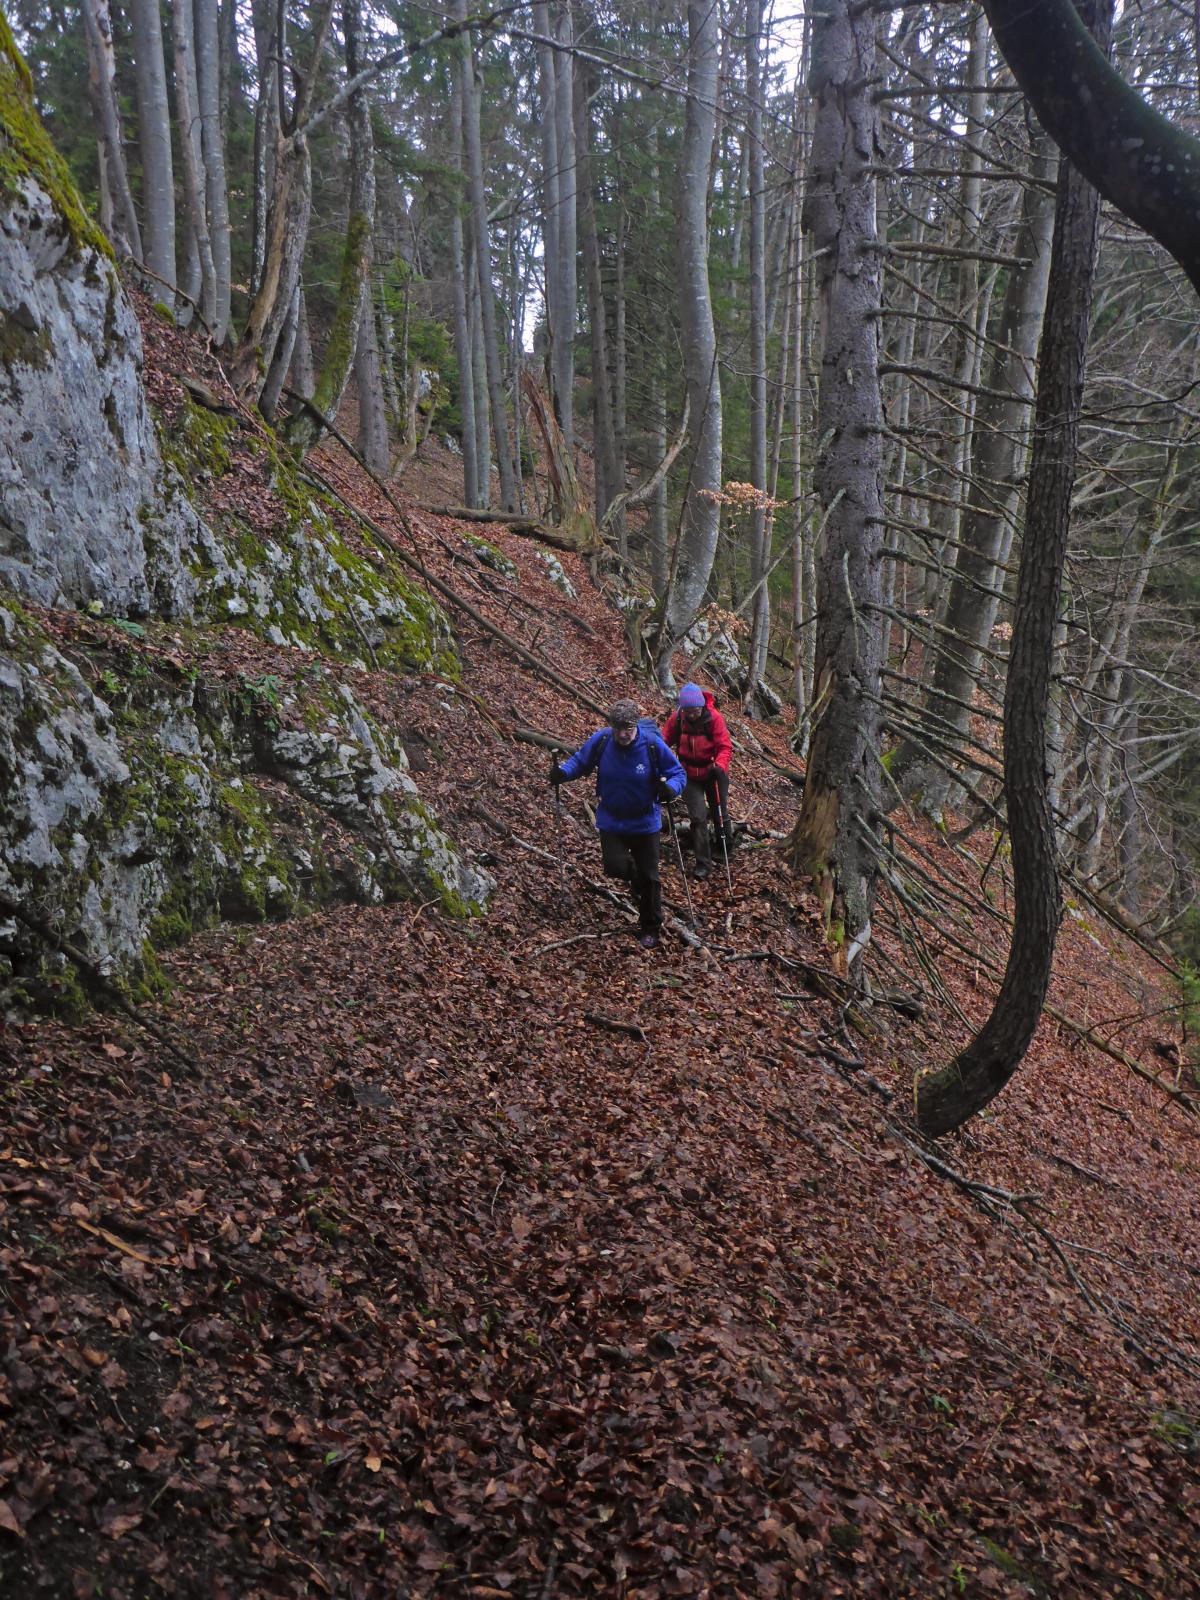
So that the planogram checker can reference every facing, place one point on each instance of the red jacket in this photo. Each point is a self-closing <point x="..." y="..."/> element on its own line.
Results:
<point x="701" y="744"/>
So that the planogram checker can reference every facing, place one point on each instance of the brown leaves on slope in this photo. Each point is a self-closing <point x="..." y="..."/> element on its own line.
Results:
<point x="430" y="1286"/>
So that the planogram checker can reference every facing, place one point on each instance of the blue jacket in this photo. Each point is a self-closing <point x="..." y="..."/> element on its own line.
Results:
<point x="627" y="780"/>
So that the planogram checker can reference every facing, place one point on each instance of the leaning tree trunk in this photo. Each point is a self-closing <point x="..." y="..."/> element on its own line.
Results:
<point x="947" y="1098"/>
<point x="97" y="19"/>
<point x="154" y="135"/>
<point x="833" y="839"/>
<point x="191" y="156"/>
<point x="996" y="467"/>
<point x="697" y="543"/>
<point x="208" y="59"/>
<point x="290" y="206"/>
<point x="358" y="255"/>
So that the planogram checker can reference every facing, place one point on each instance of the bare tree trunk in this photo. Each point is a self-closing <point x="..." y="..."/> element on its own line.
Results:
<point x="833" y="837"/>
<point x="996" y="468"/>
<point x="603" y="448"/>
<point x="483" y="431"/>
<point x="287" y="225"/>
<point x="548" y="130"/>
<point x="267" y="118"/>
<point x="619" y="394"/>
<point x="368" y="380"/>
<point x="657" y="414"/>
<point x="154" y="130"/>
<point x="283" y="361"/>
<point x="697" y="543"/>
<point x="566" y="296"/>
<point x="473" y="496"/>
<point x="208" y="67"/>
<point x="124" y="231"/>
<point x="947" y="1098"/>
<point x="483" y="265"/>
<point x="759" y="520"/>
<point x="191" y="155"/>
<point x="358" y="254"/>
<point x="303" y="368"/>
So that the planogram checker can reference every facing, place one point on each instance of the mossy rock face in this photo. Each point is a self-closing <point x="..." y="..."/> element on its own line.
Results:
<point x="133" y="820"/>
<point x="87" y="515"/>
<point x="303" y="584"/>
<point x="489" y="556"/>
<point x="26" y="153"/>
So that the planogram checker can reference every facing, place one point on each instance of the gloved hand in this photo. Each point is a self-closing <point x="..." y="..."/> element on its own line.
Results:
<point x="557" y="775"/>
<point x="665" y="792"/>
<point x="710" y="774"/>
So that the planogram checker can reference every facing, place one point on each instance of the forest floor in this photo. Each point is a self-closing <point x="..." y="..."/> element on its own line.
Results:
<point x="503" y="1258"/>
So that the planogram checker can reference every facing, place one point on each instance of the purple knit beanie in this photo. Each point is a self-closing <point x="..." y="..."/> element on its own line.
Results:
<point x="691" y="696"/>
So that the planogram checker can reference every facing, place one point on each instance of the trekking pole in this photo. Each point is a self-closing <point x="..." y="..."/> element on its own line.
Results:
<point x="674" y="831"/>
<point x="558" y="845"/>
<point x="724" y="838"/>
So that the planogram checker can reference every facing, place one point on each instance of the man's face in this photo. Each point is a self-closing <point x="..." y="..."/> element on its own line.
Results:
<point x="625" y="733"/>
<point x="691" y="714"/>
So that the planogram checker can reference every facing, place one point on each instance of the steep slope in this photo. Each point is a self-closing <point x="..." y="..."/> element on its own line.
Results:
<point x="145" y="538"/>
<point x="497" y="1257"/>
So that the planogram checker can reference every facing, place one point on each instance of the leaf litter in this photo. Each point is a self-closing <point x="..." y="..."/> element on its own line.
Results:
<point x="425" y="1284"/>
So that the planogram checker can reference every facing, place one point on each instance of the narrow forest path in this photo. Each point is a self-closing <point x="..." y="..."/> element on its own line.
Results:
<point x="503" y="1258"/>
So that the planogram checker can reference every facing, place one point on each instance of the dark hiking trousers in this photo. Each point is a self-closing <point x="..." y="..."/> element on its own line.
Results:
<point x="634" y="857"/>
<point x="701" y="802"/>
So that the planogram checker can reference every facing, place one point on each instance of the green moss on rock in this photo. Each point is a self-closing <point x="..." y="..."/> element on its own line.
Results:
<point x="26" y="150"/>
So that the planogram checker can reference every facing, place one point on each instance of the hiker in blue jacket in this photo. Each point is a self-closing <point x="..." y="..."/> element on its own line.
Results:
<point x="634" y="771"/>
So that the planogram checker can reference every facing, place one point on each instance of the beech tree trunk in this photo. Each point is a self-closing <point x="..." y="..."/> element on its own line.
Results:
<point x="102" y="72"/>
<point x="208" y="77"/>
<point x="191" y="156"/>
<point x="947" y="1098"/>
<point x="697" y="543"/>
<point x="832" y="839"/>
<point x="483" y="266"/>
<point x="358" y="254"/>
<point x="997" y="467"/>
<point x="154" y="134"/>
<point x="760" y="521"/>
<point x="603" y="439"/>
<point x="368" y="380"/>
<point x="565" y="233"/>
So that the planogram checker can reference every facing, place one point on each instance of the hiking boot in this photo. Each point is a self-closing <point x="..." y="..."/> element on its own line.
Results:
<point x="649" y="940"/>
<point x="702" y="871"/>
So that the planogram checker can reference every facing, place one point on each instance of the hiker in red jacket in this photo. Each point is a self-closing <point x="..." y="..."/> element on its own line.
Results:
<point x="696" y="729"/>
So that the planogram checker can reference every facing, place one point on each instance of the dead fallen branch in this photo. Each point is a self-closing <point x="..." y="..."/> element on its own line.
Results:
<point x="612" y="1025"/>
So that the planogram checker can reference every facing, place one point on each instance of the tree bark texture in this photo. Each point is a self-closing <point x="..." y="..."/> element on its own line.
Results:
<point x="191" y="155"/>
<point x="997" y="466"/>
<point x="208" y="78"/>
<point x="483" y="264"/>
<point x="154" y="137"/>
<point x="97" y="20"/>
<point x="697" y="543"/>
<point x="1137" y="158"/>
<point x="566" y="274"/>
<point x="760" y="521"/>
<point x="841" y="792"/>
<point x="358" y="253"/>
<point x="947" y="1098"/>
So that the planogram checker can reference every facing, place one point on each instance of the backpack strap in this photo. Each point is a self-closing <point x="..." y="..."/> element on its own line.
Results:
<point x="655" y="769"/>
